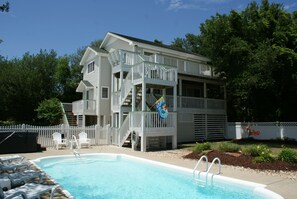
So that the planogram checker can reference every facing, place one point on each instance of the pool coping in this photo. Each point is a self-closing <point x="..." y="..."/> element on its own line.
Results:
<point x="257" y="188"/>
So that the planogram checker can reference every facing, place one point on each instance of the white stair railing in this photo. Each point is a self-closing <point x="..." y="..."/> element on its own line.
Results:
<point x="124" y="131"/>
<point x="126" y="88"/>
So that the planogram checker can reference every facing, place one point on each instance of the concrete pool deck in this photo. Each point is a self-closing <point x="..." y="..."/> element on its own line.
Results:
<point x="283" y="183"/>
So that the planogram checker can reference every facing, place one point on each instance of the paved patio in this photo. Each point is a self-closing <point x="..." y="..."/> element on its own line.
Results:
<point x="283" y="183"/>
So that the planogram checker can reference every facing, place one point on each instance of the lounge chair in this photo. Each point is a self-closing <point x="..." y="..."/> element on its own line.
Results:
<point x="22" y="177"/>
<point x="11" y="158"/>
<point x="14" y="165"/>
<point x="28" y="191"/>
<point x="57" y="137"/>
<point x="83" y="140"/>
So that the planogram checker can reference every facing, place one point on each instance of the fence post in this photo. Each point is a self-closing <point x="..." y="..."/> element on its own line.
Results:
<point x="97" y="134"/>
<point x="238" y="134"/>
<point x="23" y="127"/>
<point x="281" y="129"/>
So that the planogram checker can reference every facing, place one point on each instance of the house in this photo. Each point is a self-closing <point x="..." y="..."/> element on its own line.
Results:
<point x="125" y="77"/>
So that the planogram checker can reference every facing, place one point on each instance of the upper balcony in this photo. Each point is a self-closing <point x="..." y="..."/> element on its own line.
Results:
<point x="126" y="59"/>
<point x="84" y="107"/>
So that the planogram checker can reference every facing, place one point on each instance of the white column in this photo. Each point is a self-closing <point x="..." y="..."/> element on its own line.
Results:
<point x="175" y="98"/>
<point x="133" y="97"/>
<point x="143" y="143"/>
<point x="174" y="142"/>
<point x="180" y="92"/>
<point x="205" y="95"/>
<point x="84" y="121"/>
<point x="143" y="104"/>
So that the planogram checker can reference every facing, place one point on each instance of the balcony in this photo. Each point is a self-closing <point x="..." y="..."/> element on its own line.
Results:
<point x="84" y="107"/>
<point x="151" y="124"/>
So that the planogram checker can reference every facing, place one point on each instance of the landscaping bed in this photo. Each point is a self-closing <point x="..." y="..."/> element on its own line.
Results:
<point x="237" y="159"/>
<point x="278" y="156"/>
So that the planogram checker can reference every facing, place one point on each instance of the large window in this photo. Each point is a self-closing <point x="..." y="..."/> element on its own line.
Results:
<point x="91" y="66"/>
<point x="104" y="92"/>
<point x="215" y="91"/>
<point x="192" y="89"/>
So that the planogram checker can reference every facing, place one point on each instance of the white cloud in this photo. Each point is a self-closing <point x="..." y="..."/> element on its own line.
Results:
<point x="175" y="5"/>
<point x="290" y="6"/>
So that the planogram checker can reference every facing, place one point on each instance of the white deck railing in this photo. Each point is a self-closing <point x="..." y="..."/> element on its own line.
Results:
<point x="81" y="107"/>
<point x="124" y="57"/>
<point x="152" y="120"/>
<point x="149" y="70"/>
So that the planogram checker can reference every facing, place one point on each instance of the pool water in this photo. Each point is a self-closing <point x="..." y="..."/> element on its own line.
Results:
<point x="118" y="176"/>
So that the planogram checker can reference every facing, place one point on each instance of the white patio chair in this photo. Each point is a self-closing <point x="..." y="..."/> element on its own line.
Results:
<point x="57" y="137"/>
<point x="83" y="140"/>
<point x="28" y="191"/>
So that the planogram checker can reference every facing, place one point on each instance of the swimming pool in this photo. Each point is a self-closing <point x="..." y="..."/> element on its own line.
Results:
<point x="111" y="176"/>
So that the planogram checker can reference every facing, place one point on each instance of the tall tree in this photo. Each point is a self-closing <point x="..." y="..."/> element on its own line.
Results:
<point x="4" y="7"/>
<point x="255" y="50"/>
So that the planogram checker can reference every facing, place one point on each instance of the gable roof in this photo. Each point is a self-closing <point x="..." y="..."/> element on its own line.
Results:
<point x="89" y="50"/>
<point x="154" y="43"/>
<point x="84" y="85"/>
<point x="98" y="50"/>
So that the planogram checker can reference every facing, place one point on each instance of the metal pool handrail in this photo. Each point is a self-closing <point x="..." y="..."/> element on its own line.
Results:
<point x="206" y="165"/>
<point x="219" y="164"/>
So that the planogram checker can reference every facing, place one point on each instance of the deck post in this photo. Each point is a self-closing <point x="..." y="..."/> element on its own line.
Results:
<point x="143" y="143"/>
<point x="175" y="98"/>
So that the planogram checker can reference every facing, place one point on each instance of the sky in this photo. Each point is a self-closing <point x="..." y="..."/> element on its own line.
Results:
<point x="66" y="25"/>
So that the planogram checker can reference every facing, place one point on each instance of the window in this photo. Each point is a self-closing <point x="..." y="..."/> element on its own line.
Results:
<point x="192" y="89"/>
<point x="104" y="92"/>
<point x="91" y="66"/>
<point x="215" y="91"/>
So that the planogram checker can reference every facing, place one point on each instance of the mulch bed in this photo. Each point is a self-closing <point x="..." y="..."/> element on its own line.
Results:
<point x="237" y="159"/>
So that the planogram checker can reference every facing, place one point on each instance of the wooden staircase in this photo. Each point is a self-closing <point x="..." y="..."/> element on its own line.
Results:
<point x="69" y="115"/>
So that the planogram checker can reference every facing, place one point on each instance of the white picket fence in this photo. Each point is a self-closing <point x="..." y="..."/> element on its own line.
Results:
<point x="98" y="135"/>
<point x="266" y="130"/>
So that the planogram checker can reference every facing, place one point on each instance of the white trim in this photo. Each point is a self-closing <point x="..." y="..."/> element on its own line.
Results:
<point x="107" y="92"/>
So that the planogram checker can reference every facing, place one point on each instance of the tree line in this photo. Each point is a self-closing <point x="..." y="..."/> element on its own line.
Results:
<point x="255" y="50"/>
<point x="26" y="82"/>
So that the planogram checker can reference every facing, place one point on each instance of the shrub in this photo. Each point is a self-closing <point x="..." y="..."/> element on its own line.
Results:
<point x="229" y="147"/>
<point x="288" y="155"/>
<point x="50" y="110"/>
<point x="250" y="150"/>
<point x="263" y="154"/>
<point x="200" y="147"/>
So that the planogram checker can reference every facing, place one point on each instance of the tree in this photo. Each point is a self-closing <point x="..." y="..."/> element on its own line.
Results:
<point x="4" y="7"/>
<point x="189" y="43"/>
<point x="255" y="50"/>
<point x="50" y="110"/>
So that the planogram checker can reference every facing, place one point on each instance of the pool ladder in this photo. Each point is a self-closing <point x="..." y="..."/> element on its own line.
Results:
<point x="75" y="152"/>
<point x="207" y="169"/>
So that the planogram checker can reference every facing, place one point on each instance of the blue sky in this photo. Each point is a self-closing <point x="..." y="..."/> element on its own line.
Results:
<point x="66" y="25"/>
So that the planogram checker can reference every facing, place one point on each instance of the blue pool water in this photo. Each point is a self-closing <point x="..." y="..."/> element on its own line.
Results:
<point x="116" y="176"/>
